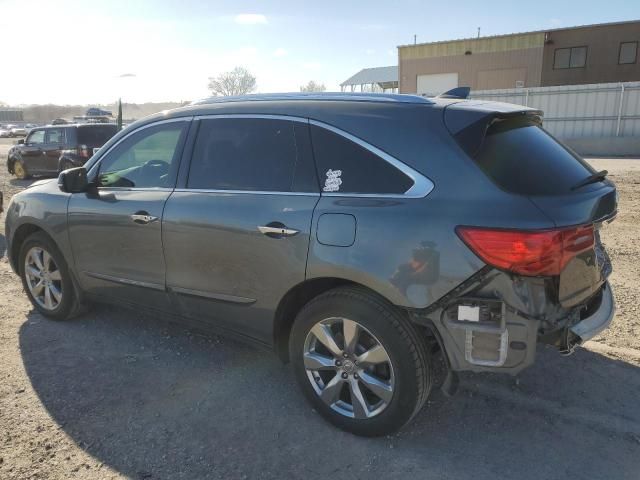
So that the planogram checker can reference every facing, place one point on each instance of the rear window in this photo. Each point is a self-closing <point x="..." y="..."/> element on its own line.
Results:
<point x="96" y="136"/>
<point x="521" y="157"/>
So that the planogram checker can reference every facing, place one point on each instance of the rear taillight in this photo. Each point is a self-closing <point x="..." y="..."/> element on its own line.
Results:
<point x="83" y="151"/>
<point x="531" y="253"/>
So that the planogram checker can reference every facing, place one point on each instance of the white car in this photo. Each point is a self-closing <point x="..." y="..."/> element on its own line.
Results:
<point x="4" y="133"/>
<point x="18" y="132"/>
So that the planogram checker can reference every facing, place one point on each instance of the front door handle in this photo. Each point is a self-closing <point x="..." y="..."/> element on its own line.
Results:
<point x="143" y="218"/>
<point x="277" y="230"/>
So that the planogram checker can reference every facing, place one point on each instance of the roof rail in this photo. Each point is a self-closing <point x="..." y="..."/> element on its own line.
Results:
<point x="338" y="96"/>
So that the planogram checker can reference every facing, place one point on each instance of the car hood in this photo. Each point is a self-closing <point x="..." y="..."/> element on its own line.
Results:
<point x="46" y="184"/>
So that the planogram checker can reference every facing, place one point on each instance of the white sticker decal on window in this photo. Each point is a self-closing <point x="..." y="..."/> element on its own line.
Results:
<point x="333" y="181"/>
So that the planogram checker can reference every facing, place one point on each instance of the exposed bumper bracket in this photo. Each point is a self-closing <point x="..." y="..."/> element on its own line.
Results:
<point x="596" y="323"/>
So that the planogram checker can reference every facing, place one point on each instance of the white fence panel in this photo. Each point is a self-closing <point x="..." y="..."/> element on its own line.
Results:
<point x="579" y="111"/>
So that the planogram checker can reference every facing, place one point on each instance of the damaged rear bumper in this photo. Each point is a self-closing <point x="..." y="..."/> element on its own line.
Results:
<point x="495" y="322"/>
<point x="591" y="326"/>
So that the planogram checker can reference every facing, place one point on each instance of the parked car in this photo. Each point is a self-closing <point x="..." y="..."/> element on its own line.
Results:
<point x="4" y="133"/>
<point x="98" y="112"/>
<point x="16" y="131"/>
<point x="60" y="121"/>
<point x="51" y="149"/>
<point x="354" y="234"/>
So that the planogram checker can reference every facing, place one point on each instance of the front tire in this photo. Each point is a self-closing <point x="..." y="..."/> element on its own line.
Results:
<point x="46" y="278"/>
<point x="359" y="361"/>
<point x="20" y="171"/>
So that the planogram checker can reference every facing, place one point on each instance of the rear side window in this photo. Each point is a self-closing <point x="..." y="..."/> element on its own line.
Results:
<point x="55" y="135"/>
<point x="252" y="154"/>
<point x="346" y="167"/>
<point x="96" y="136"/>
<point x="523" y="158"/>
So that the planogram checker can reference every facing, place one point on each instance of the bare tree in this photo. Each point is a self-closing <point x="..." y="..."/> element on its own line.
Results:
<point x="238" y="81"/>
<point x="313" y="87"/>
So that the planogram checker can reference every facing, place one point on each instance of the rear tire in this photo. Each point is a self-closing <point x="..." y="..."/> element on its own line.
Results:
<point x="376" y="375"/>
<point x="65" y="165"/>
<point x="46" y="278"/>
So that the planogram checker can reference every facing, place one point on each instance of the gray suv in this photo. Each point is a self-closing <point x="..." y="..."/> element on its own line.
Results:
<point x="356" y="235"/>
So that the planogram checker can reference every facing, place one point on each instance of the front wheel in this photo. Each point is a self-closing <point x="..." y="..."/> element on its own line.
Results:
<point x="46" y="278"/>
<point x="360" y="361"/>
<point x="20" y="171"/>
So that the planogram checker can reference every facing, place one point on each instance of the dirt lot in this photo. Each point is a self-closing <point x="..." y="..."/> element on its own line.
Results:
<point x="114" y="394"/>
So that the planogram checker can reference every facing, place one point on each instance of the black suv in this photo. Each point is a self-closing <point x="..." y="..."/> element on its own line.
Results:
<point x="51" y="149"/>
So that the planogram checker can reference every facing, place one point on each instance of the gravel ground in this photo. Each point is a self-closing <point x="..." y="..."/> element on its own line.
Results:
<point x="114" y="394"/>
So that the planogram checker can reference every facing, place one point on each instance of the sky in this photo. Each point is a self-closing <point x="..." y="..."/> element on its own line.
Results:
<point x="92" y="52"/>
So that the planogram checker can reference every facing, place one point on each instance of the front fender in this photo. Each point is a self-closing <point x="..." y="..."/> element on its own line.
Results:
<point x="43" y="207"/>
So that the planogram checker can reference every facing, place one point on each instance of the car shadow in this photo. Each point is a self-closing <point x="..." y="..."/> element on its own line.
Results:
<point x="16" y="182"/>
<point x="154" y="399"/>
<point x="3" y="245"/>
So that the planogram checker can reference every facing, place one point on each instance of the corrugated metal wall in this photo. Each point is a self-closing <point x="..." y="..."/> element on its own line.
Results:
<point x="579" y="111"/>
<point x="7" y="115"/>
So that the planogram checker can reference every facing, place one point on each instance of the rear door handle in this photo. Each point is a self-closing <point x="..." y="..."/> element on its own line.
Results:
<point x="276" y="230"/>
<point x="143" y="218"/>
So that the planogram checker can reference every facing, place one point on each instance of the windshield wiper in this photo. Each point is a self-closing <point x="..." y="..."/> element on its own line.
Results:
<point x="596" y="177"/>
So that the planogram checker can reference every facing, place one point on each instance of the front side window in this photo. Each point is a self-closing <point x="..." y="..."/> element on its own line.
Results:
<point x="55" y="135"/>
<point x="252" y="154"/>
<point x="628" y="53"/>
<point x="346" y="167"/>
<point x="35" y="138"/>
<point x="147" y="159"/>
<point x="574" y="57"/>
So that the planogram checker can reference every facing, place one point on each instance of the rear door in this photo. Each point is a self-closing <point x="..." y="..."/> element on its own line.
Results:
<point x="236" y="234"/>
<point x="115" y="230"/>
<point x="54" y="144"/>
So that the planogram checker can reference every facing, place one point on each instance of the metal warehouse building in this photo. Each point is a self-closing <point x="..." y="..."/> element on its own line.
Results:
<point x="10" y="115"/>
<point x="569" y="56"/>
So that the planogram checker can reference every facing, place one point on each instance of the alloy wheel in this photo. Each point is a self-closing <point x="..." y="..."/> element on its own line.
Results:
<point x="43" y="277"/>
<point x="348" y="368"/>
<point x="18" y="170"/>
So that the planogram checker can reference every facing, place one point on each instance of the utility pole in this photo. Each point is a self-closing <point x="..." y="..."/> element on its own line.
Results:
<point x="478" y="32"/>
<point x="415" y="38"/>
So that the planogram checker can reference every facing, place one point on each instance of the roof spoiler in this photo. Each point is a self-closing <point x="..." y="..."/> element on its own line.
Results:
<point x="459" y="92"/>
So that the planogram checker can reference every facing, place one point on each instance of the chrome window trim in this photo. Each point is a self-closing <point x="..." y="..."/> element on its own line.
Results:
<point x="421" y="187"/>
<point x="136" y="189"/>
<point x="245" y="192"/>
<point x="291" y="118"/>
<point x="91" y="172"/>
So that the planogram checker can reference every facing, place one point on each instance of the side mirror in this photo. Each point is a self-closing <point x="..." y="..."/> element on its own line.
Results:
<point x="73" y="180"/>
<point x="21" y="141"/>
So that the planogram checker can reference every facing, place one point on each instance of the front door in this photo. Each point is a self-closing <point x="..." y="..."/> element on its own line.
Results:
<point x="32" y="152"/>
<point x="115" y="229"/>
<point x="236" y="234"/>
